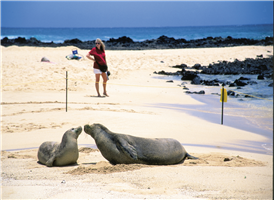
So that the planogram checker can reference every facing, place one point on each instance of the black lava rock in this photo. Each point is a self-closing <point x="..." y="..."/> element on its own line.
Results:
<point x="230" y="93"/>
<point x="239" y="82"/>
<point x="73" y="41"/>
<point x="260" y="77"/>
<point x="200" y="92"/>
<point x="163" y="42"/>
<point x="189" y="75"/>
<point x="196" y="81"/>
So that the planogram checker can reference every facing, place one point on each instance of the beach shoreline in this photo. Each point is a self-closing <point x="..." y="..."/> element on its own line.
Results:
<point x="34" y="111"/>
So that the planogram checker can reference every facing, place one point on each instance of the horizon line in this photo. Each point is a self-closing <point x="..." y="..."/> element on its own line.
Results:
<point x="153" y="26"/>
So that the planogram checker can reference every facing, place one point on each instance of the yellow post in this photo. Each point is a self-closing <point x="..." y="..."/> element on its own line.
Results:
<point x="223" y="95"/>
<point x="223" y="99"/>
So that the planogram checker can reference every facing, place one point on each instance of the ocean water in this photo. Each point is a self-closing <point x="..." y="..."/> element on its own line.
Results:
<point x="59" y="35"/>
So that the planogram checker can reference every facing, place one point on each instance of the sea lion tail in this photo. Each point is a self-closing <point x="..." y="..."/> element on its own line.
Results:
<point x="188" y="156"/>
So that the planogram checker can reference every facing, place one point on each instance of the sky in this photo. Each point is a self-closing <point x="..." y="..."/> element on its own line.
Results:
<point x="93" y="14"/>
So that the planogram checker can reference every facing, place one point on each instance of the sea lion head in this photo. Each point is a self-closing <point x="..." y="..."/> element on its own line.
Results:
<point x="94" y="129"/>
<point x="74" y="132"/>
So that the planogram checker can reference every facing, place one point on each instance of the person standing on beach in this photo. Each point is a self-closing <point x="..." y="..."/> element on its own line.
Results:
<point x="99" y="56"/>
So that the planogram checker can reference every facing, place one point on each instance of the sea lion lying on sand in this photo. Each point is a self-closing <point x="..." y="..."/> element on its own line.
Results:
<point x="60" y="154"/>
<point x="126" y="149"/>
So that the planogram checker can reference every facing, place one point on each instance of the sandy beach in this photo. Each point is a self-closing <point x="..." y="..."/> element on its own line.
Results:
<point x="33" y="111"/>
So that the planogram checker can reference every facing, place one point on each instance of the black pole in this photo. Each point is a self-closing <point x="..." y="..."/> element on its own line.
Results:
<point x="222" y="104"/>
<point x="66" y="91"/>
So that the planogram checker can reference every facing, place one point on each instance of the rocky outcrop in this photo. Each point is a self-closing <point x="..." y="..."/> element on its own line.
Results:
<point x="263" y="66"/>
<point x="126" y="43"/>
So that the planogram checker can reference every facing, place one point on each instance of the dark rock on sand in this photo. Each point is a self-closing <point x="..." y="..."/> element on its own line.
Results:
<point x="232" y="85"/>
<point x="182" y="66"/>
<point x="262" y="66"/>
<point x="240" y="83"/>
<point x="211" y="82"/>
<point x="260" y="77"/>
<point x="243" y="78"/>
<point x="44" y="59"/>
<point x="168" y="73"/>
<point x="197" y="66"/>
<point x="189" y="75"/>
<point x="197" y="81"/>
<point x="200" y="92"/>
<point x="230" y="93"/>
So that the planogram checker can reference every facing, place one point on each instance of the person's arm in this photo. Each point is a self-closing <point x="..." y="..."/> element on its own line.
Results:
<point x="89" y="57"/>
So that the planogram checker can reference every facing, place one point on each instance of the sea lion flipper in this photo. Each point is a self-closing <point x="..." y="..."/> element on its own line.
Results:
<point x="191" y="157"/>
<point x="127" y="148"/>
<point x="49" y="163"/>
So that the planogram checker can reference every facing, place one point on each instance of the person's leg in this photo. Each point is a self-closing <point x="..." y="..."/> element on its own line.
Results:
<point x="105" y="79"/>
<point x="97" y="79"/>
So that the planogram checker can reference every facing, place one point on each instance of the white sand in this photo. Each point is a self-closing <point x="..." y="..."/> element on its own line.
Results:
<point x="33" y="111"/>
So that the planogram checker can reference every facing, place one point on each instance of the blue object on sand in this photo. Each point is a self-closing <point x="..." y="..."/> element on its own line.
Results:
<point x="74" y="51"/>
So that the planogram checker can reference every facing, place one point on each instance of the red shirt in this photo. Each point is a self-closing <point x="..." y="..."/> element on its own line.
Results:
<point x="99" y="56"/>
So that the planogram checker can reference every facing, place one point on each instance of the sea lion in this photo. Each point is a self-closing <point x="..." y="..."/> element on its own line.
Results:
<point x="126" y="149"/>
<point x="60" y="154"/>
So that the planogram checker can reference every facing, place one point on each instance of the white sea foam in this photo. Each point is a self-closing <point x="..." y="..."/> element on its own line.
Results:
<point x="268" y="147"/>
